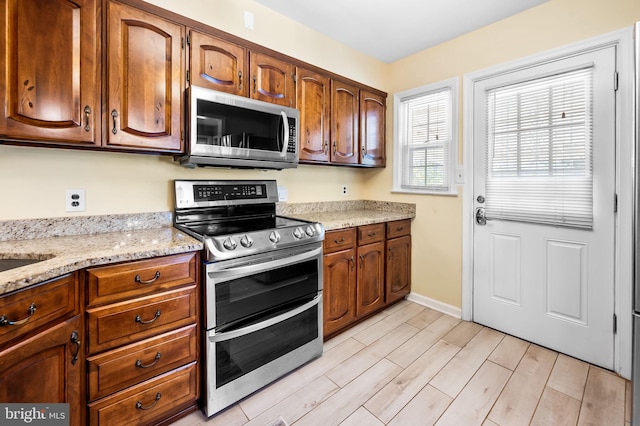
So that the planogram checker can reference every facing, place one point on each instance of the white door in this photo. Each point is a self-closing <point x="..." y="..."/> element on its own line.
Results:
<point x="543" y="266"/>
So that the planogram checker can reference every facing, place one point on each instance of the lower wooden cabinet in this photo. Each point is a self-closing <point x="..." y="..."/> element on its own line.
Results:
<point x="370" y="287"/>
<point x="366" y="268"/>
<point x="142" y="340"/>
<point x="149" y="402"/>
<point x="47" y="367"/>
<point x="339" y="280"/>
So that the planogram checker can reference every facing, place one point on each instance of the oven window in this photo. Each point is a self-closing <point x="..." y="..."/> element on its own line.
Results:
<point x="251" y="295"/>
<point x="239" y="356"/>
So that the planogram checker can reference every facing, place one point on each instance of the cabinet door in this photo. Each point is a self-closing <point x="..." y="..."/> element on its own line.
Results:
<point x="49" y="88"/>
<point x="339" y="292"/>
<point x="314" y="104"/>
<point x="217" y="64"/>
<point x="144" y="80"/>
<point x="398" y="268"/>
<point x="272" y="80"/>
<point x="372" y="129"/>
<point x="370" y="293"/>
<point x="47" y="368"/>
<point x="344" y="123"/>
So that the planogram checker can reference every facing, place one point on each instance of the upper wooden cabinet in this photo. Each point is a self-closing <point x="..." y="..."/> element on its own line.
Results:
<point x="272" y="80"/>
<point x="314" y="103"/>
<point x="340" y="123"/>
<point x="372" y="129"/>
<point x="217" y="64"/>
<point x="345" y="107"/>
<point x="49" y="71"/>
<point x="144" y="80"/>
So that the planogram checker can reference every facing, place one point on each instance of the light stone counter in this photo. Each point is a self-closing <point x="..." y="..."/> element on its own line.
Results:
<point x="66" y="244"/>
<point x="345" y="214"/>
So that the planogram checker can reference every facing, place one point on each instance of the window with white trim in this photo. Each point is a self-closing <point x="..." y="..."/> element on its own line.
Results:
<point x="426" y="139"/>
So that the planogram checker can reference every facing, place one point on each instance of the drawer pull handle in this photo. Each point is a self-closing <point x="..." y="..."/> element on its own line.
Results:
<point x="74" y="339"/>
<point x="399" y="228"/>
<point x="340" y="241"/>
<point x="141" y="321"/>
<point x="155" y="360"/>
<point x="371" y="234"/>
<point x="140" y="407"/>
<point x="152" y="280"/>
<point x="5" y="321"/>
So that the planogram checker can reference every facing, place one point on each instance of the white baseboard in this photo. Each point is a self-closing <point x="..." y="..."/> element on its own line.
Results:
<point x="435" y="304"/>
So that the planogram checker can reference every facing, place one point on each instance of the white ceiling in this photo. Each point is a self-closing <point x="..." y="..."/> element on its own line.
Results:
<point x="393" y="29"/>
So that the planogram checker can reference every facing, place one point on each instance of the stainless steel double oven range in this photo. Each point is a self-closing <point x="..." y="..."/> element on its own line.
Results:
<point x="262" y="285"/>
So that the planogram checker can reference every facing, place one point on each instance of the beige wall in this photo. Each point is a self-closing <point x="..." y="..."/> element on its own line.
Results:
<point x="33" y="180"/>
<point x="437" y="231"/>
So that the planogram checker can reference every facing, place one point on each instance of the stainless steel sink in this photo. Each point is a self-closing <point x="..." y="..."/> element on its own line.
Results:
<point x="6" y="264"/>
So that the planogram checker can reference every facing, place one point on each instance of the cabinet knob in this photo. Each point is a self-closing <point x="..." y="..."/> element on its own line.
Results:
<point x="139" y="319"/>
<point x="5" y="321"/>
<point x="139" y="405"/>
<point x="150" y="281"/>
<point x="74" y="339"/>
<point x="87" y="114"/>
<point x="114" y="116"/>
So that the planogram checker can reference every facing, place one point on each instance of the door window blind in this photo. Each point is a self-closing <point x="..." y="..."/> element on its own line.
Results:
<point x="426" y="141"/>
<point x="539" y="148"/>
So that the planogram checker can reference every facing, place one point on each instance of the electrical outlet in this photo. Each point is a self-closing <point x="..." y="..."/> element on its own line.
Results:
<point x="283" y="194"/>
<point x="75" y="200"/>
<point x="344" y="189"/>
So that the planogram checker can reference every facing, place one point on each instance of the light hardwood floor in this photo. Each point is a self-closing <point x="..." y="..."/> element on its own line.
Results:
<point x="411" y="365"/>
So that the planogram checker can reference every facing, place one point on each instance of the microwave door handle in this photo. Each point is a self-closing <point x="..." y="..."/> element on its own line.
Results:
<point x="285" y="131"/>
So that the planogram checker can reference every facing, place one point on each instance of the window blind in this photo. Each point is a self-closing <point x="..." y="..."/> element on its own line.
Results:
<point x="426" y="141"/>
<point x="539" y="148"/>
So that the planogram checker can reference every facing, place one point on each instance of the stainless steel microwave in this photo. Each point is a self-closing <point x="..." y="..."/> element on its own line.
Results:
<point x="233" y="131"/>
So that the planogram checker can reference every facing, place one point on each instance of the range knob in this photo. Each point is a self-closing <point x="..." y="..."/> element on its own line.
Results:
<point x="310" y="231"/>
<point x="246" y="241"/>
<point x="229" y="243"/>
<point x="274" y="237"/>
<point x="298" y="233"/>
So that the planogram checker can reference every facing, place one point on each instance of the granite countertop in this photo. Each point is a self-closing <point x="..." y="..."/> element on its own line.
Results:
<point x="72" y="243"/>
<point x="345" y="214"/>
<point x="69" y="244"/>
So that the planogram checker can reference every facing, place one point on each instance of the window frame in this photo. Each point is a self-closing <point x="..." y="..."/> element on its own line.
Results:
<point x="399" y="161"/>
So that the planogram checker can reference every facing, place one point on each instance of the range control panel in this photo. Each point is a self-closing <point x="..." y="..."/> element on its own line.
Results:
<point x="229" y="192"/>
<point x="190" y="194"/>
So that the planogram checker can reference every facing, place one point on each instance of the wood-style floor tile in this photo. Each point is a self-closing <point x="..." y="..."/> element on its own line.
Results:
<point x="476" y="399"/>
<point x="348" y="399"/>
<point x="410" y="365"/>
<point x="519" y="399"/>
<point x="604" y="398"/>
<point x="455" y="375"/>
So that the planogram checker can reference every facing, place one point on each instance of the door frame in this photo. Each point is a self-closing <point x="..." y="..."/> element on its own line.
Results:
<point x="624" y="176"/>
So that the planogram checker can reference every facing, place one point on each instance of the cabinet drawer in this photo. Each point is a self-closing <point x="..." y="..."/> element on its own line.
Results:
<point x="148" y="402"/>
<point x="125" y="322"/>
<point x="339" y="240"/>
<point x="398" y="228"/>
<point x="108" y="284"/>
<point x="37" y="306"/>
<point x="114" y="370"/>
<point x="370" y="233"/>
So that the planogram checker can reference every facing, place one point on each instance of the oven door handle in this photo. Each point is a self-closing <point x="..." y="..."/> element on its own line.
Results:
<point x="221" y="275"/>
<point x="221" y="337"/>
